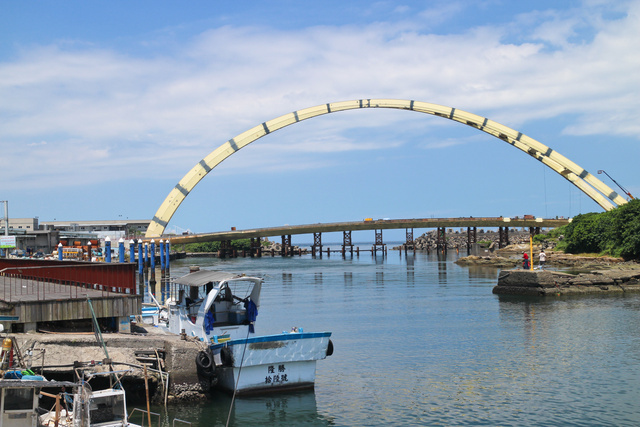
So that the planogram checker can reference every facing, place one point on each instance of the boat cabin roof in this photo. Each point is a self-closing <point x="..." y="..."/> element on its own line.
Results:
<point x="202" y="277"/>
<point x="34" y="384"/>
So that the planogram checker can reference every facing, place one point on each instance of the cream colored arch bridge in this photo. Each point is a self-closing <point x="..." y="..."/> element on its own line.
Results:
<point x="590" y="185"/>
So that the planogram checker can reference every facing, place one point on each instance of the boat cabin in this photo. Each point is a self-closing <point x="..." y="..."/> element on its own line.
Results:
<point x="212" y="305"/>
<point x="20" y="400"/>
<point x="101" y="408"/>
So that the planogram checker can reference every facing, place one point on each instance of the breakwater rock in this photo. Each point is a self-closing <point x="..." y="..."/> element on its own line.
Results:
<point x="490" y="261"/>
<point x="457" y="238"/>
<point x="511" y="256"/>
<point x="554" y="283"/>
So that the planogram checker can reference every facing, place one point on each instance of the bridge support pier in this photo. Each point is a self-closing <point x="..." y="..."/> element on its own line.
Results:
<point x="503" y="237"/>
<point x="346" y="243"/>
<point x="472" y="237"/>
<point x="441" y="240"/>
<point x="409" y="243"/>
<point x="256" y="247"/>
<point x="317" y="244"/>
<point x="286" y="248"/>
<point x="379" y="244"/>
<point x="534" y="230"/>
<point x="225" y="249"/>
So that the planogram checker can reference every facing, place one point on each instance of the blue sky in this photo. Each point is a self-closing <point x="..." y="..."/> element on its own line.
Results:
<point x="104" y="106"/>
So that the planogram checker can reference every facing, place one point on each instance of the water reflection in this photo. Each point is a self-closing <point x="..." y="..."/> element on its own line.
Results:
<point x="282" y="409"/>
<point x="380" y="279"/>
<point x="410" y="260"/>
<point x="287" y="279"/>
<point x="348" y="279"/>
<point x="442" y="267"/>
<point x="289" y="409"/>
<point x="483" y="272"/>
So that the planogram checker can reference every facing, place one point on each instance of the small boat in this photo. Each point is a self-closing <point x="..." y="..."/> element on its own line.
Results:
<point x="20" y="400"/>
<point x="221" y="309"/>
<point x="86" y="407"/>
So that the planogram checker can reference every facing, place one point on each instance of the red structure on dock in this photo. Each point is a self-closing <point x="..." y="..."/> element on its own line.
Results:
<point x="36" y="291"/>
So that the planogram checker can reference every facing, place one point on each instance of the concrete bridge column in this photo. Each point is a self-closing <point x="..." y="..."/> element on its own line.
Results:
<point x="317" y="244"/>
<point x="409" y="243"/>
<point x="225" y="249"/>
<point x="503" y="237"/>
<point x="534" y="230"/>
<point x="441" y="239"/>
<point x="346" y="242"/>
<point x="286" y="245"/>
<point x="472" y="237"/>
<point x="256" y="247"/>
<point x="379" y="244"/>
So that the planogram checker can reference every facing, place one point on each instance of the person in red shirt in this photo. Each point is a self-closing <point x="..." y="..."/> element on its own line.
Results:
<point x="525" y="260"/>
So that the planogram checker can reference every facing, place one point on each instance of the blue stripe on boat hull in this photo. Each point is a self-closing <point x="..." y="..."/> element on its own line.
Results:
<point x="278" y="337"/>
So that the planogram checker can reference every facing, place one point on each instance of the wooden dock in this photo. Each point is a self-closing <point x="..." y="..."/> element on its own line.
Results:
<point x="35" y="293"/>
<point x="33" y="302"/>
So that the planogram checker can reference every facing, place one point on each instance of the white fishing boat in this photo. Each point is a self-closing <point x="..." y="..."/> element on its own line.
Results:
<point x="221" y="309"/>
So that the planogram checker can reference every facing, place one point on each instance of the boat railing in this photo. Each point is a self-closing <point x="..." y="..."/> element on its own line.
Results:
<point x="146" y="417"/>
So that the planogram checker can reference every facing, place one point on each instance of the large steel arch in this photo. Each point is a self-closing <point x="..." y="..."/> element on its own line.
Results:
<point x="589" y="184"/>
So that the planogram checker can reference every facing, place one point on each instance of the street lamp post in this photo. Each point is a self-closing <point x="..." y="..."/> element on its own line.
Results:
<point x="616" y="182"/>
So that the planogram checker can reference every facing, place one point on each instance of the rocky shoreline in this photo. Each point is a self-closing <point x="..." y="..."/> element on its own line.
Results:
<point x="564" y="274"/>
<point x="555" y="283"/>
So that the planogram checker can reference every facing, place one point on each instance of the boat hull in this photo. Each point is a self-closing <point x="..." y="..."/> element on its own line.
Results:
<point x="270" y="363"/>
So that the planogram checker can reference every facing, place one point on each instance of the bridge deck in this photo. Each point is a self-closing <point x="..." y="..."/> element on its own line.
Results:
<point x="380" y="224"/>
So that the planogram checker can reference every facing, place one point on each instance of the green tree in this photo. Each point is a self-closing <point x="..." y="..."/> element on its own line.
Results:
<point x="615" y="233"/>
<point x="215" y="246"/>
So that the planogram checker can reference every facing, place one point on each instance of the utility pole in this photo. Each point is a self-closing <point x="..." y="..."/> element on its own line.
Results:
<point x="5" y="252"/>
<point x="6" y="217"/>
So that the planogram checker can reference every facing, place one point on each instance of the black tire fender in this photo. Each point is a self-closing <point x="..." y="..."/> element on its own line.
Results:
<point x="330" y="348"/>
<point x="204" y="360"/>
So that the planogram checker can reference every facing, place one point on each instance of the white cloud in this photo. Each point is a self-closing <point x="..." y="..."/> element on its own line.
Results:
<point x="112" y="110"/>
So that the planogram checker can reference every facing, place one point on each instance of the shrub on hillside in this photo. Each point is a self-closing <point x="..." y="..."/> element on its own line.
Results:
<point x="615" y="233"/>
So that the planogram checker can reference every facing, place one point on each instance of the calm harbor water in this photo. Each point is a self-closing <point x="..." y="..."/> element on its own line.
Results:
<point x="420" y="340"/>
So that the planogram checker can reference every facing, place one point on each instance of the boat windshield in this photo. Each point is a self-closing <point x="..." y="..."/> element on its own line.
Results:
<point x="107" y="408"/>
<point x="241" y="289"/>
<point x="18" y="398"/>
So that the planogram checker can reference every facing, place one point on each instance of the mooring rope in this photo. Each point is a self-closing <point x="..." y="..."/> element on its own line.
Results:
<point x="235" y="386"/>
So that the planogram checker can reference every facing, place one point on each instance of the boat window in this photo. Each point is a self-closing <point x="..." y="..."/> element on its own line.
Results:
<point x="18" y="398"/>
<point x="108" y="408"/>
<point x="225" y="294"/>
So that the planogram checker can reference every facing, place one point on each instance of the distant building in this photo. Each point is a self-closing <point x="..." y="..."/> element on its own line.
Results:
<point x="114" y="229"/>
<point x="30" y="237"/>
<point x="33" y="236"/>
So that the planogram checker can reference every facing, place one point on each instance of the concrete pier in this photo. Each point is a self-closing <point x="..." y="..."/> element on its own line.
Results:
<point x="160" y="351"/>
